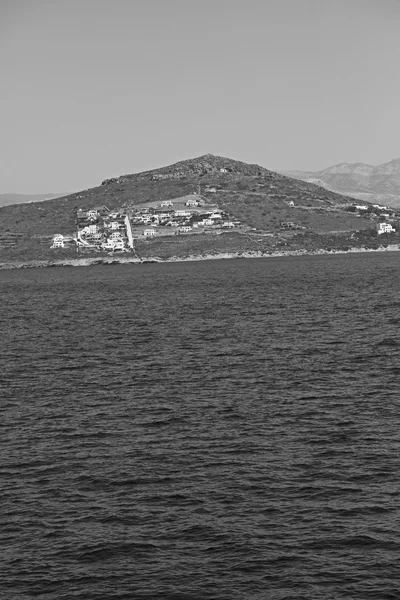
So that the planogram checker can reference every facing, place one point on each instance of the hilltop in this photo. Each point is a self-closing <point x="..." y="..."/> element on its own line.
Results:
<point x="265" y="210"/>
<point x="376" y="184"/>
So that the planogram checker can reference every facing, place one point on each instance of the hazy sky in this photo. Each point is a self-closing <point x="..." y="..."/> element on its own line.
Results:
<point x="96" y="88"/>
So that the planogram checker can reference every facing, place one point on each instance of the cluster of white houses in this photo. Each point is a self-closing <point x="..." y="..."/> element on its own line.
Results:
<point x="115" y="230"/>
<point x="98" y="228"/>
<point x="179" y="217"/>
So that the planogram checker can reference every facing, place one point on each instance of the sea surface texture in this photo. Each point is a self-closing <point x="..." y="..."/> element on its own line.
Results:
<point x="217" y="430"/>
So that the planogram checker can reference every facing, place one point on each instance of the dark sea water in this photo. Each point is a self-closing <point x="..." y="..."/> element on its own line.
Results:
<point x="214" y="430"/>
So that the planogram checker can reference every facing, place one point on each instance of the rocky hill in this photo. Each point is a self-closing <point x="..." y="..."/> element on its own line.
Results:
<point x="261" y="201"/>
<point x="379" y="184"/>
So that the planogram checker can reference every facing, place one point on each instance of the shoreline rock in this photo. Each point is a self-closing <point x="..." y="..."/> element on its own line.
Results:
<point x="90" y="262"/>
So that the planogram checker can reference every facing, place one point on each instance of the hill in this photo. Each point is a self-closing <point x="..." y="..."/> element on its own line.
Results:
<point x="265" y="210"/>
<point x="379" y="184"/>
<point x="7" y="199"/>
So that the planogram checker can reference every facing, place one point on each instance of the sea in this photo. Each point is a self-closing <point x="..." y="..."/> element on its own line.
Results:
<point x="212" y="430"/>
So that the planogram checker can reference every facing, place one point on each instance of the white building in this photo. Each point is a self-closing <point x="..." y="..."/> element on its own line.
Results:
<point x="149" y="232"/>
<point x="115" y="225"/>
<point x="228" y="224"/>
<point x="384" y="228"/>
<point x="185" y="229"/>
<point x="113" y="245"/>
<point x="96" y="237"/>
<point x="108" y="245"/>
<point x="192" y="202"/>
<point x="182" y="213"/>
<point x="119" y="244"/>
<point x="58" y="241"/>
<point x="166" y="203"/>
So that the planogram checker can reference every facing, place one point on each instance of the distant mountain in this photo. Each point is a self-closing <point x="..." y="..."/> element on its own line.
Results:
<point x="380" y="184"/>
<point x="7" y="199"/>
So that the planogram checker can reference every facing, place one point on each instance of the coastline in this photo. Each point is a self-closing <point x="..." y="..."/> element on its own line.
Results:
<point x="121" y="260"/>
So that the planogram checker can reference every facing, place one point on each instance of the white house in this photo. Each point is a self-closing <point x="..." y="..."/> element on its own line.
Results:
<point x="166" y="203"/>
<point x="223" y="170"/>
<point x="185" y="229"/>
<point x="192" y="202"/>
<point x="182" y="213"/>
<point x="114" y="225"/>
<point x="58" y="241"/>
<point x="228" y="224"/>
<point x="385" y="228"/>
<point x="92" y="213"/>
<point x="108" y="245"/>
<point x="97" y="237"/>
<point x="149" y="232"/>
<point x="115" y="235"/>
<point x="113" y="244"/>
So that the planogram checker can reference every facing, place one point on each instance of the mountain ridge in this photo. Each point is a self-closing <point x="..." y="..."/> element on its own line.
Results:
<point x="376" y="184"/>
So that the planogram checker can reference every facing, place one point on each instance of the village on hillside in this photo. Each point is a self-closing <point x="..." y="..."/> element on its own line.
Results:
<point x="101" y="229"/>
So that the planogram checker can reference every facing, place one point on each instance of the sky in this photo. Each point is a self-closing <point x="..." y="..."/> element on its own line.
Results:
<point x="92" y="89"/>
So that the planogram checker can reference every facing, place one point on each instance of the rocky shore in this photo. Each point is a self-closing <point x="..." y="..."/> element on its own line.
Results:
<point x="121" y="260"/>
